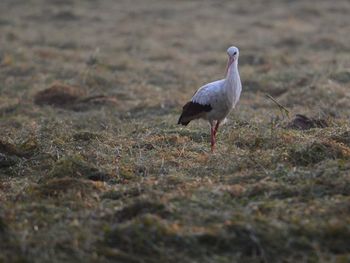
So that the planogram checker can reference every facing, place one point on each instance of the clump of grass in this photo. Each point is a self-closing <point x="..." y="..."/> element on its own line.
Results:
<point x="233" y="237"/>
<point x="7" y="160"/>
<point x="331" y="236"/>
<point x="2" y="227"/>
<point x="21" y="151"/>
<point x="61" y="187"/>
<point x="141" y="207"/>
<point x="85" y="136"/>
<point x="341" y="77"/>
<point x="124" y="193"/>
<point x="343" y="138"/>
<point x="29" y="146"/>
<point x="254" y="141"/>
<point x="76" y="167"/>
<point x="316" y="152"/>
<point x="127" y="172"/>
<point x="139" y="234"/>
<point x="10" y="154"/>
<point x="149" y="238"/>
<point x="9" y="246"/>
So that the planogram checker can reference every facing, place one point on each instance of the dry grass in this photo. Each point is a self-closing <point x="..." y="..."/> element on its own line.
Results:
<point x="93" y="167"/>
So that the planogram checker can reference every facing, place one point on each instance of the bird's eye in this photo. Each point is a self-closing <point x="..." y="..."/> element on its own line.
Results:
<point x="235" y="53"/>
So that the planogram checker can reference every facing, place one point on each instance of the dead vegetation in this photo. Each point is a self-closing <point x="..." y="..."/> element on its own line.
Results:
<point x="58" y="95"/>
<point x="93" y="167"/>
<point x="76" y="167"/>
<point x="70" y="97"/>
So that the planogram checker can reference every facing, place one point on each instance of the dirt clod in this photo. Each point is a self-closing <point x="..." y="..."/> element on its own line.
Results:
<point x="59" y="95"/>
<point x="302" y="122"/>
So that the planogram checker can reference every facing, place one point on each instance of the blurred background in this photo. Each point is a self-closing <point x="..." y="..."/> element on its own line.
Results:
<point x="159" y="52"/>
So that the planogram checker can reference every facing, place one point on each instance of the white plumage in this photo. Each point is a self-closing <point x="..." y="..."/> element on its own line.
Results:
<point x="215" y="100"/>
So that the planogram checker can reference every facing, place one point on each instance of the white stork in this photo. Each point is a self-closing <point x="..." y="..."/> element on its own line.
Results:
<point x="214" y="101"/>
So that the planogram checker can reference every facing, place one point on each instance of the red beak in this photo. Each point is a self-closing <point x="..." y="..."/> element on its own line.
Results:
<point x="229" y="62"/>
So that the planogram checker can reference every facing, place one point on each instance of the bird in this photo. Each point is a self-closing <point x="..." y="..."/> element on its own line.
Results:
<point x="215" y="100"/>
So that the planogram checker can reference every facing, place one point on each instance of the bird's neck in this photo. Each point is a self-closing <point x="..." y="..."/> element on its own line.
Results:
<point x="232" y="75"/>
<point x="232" y="84"/>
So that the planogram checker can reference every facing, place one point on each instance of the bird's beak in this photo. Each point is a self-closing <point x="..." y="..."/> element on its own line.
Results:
<point x="229" y="62"/>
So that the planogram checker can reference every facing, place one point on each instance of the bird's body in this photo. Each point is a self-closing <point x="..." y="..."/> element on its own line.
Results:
<point x="214" y="101"/>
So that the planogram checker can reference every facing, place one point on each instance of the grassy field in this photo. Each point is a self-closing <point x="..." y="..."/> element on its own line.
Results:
<point x="93" y="167"/>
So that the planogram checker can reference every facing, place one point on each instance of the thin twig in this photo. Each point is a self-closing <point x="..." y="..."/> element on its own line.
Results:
<point x="280" y="106"/>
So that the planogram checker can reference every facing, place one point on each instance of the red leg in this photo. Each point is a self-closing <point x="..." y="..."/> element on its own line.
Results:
<point x="216" y="127"/>
<point x="212" y="138"/>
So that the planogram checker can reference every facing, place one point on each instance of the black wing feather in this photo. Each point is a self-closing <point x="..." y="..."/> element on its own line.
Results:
<point x="191" y="111"/>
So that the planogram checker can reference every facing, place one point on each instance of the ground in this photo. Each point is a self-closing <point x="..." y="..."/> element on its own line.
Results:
<point x="94" y="168"/>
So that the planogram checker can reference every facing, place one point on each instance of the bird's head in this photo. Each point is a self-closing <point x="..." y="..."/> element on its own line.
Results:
<point x="233" y="53"/>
